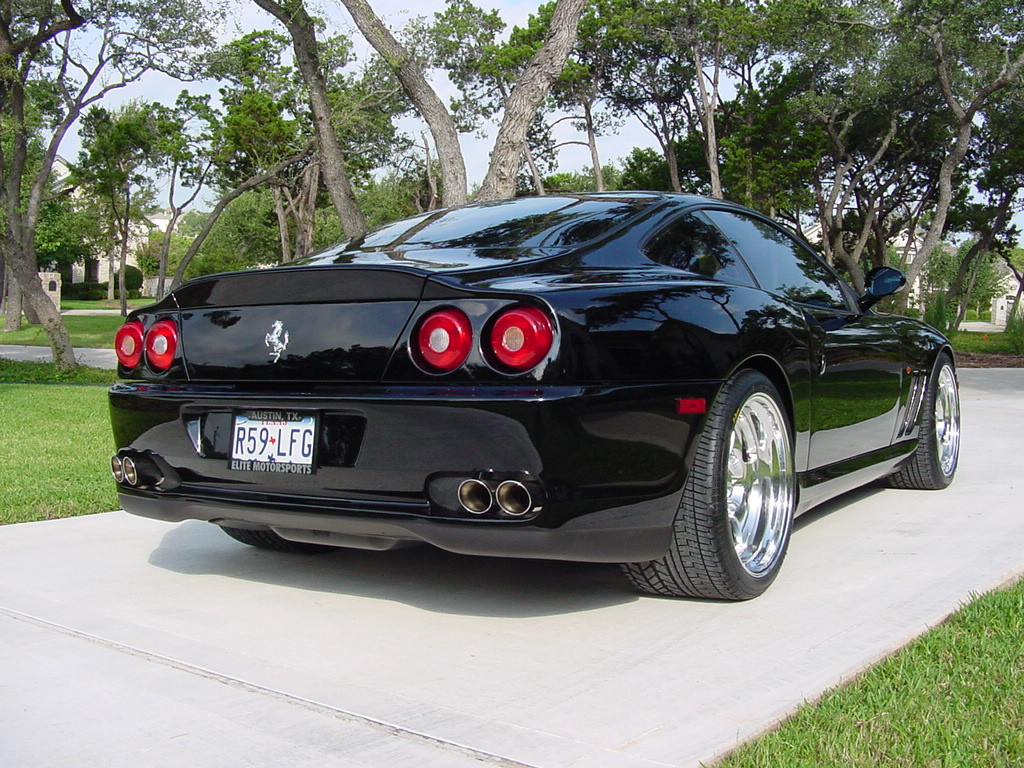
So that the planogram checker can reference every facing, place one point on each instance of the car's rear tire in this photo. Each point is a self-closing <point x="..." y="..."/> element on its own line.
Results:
<point x="933" y="464"/>
<point x="732" y="529"/>
<point x="264" y="538"/>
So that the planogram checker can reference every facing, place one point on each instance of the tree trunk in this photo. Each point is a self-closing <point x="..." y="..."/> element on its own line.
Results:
<point x="424" y="99"/>
<point x="538" y="182"/>
<point x="32" y="293"/>
<point x="707" y="116"/>
<point x="165" y="251"/>
<point x="306" y="214"/>
<point x="965" y="298"/>
<point x="282" y="224"/>
<point x="111" y="272"/>
<point x="122" y="286"/>
<point x="595" y="158"/>
<point x="431" y="182"/>
<point x="530" y="90"/>
<point x="673" y="166"/>
<point x="12" y="309"/>
<point x="300" y="26"/>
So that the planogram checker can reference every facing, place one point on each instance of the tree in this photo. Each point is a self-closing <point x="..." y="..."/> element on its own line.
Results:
<point x="466" y="43"/>
<point x="292" y="13"/>
<point x="579" y="89"/>
<point x="259" y="137"/>
<point x="976" y="50"/>
<point x="115" y="164"/>
<point x="80" y="52"/>
<point x="653" y="72"/>
<point x="770" y="152"/>
<point x="66" y="234"/>
<point x="182" y="151"/>
<point x="996" y="164"/>
<point x="424" y="98"/>
<point x="525" y="98"/>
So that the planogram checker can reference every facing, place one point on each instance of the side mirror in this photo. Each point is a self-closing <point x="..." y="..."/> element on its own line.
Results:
<point x="879" y="283"/>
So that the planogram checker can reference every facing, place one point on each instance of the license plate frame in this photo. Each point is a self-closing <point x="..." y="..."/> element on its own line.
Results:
<point x="273" y="440"/>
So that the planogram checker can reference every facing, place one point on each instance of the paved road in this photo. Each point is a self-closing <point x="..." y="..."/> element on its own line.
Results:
<point x="129" y="642"/>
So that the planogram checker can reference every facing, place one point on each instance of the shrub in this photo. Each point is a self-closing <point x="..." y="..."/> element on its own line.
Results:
<point x="937" y="313"/>
<point x="1015" y="328"/>
<point x="971" y="315"/>
<point x="132" y="278"/>
<point x="84" y="291"/>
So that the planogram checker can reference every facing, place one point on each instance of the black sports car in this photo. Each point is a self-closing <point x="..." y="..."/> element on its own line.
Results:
<point x="662" y="381"/>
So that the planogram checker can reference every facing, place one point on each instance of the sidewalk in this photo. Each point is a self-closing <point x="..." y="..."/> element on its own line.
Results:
<point x="979" y="327"/>
<point x="97" y="358"/>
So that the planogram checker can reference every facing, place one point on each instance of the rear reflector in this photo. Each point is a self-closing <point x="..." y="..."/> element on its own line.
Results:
<point x="161" y="344"/>
<point x="128" y="344"/>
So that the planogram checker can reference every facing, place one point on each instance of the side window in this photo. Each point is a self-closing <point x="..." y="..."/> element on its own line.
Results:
<point x="693" y="244"/>
<point x="780" y="263"/>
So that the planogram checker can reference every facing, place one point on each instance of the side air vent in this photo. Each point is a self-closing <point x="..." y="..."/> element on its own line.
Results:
<point x="917" y="388"/>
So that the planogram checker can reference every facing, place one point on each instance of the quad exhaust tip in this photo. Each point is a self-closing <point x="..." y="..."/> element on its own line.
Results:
<point x="511" y="497"/>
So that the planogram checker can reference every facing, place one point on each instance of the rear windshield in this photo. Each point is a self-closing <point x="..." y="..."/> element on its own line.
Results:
<point x="528" y="222"/>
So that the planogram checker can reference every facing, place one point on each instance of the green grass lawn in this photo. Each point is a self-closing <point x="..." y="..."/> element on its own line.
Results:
<point x="952" y="698"/>
<point x="97" y="332"/>
<point x="115" y="304"/>
<point x="990" y="343"/>
<point x="55" y="452"/>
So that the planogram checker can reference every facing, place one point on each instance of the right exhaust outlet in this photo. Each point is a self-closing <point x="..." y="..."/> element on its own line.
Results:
<point x="514" y="498"/>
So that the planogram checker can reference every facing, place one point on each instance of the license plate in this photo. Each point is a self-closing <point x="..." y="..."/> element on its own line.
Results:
<point x="273" y="441"/>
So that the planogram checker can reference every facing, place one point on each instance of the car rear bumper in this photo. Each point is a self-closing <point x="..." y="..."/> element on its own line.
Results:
<point x="598" y="537"/>
<point x="607" y="465"/>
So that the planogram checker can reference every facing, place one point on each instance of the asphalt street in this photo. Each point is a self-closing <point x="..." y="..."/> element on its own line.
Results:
<point x="130" y="642"/>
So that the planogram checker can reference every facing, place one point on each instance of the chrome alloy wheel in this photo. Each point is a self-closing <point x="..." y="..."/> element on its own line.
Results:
<point x="947" y="420"/>
<point x="759" y="492"/>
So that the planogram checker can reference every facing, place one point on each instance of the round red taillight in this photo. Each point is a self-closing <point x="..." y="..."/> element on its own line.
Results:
<point x="444" y="339"/>
<point x="521" y="338"/>
<point x="161" y="344"/>
<point x="128" y="344"/>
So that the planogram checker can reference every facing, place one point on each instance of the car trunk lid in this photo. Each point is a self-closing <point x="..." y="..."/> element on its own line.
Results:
<point x="311" y="324"/>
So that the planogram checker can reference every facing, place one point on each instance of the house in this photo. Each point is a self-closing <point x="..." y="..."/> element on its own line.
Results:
<point x="1003" y="302"/>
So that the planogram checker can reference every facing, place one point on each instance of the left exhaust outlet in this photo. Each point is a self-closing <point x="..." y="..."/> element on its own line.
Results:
<point x="475" y="496"/>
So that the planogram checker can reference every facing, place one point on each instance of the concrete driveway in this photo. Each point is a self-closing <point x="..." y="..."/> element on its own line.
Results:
<point x="129" y="642"/>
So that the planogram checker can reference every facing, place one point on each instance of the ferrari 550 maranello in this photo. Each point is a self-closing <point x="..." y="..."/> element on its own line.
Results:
<point x="661" y="381"/>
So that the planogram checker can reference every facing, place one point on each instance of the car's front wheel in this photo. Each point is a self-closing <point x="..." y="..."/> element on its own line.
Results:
<point x="932" y="465"/>
<point x="733" y="525"/>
